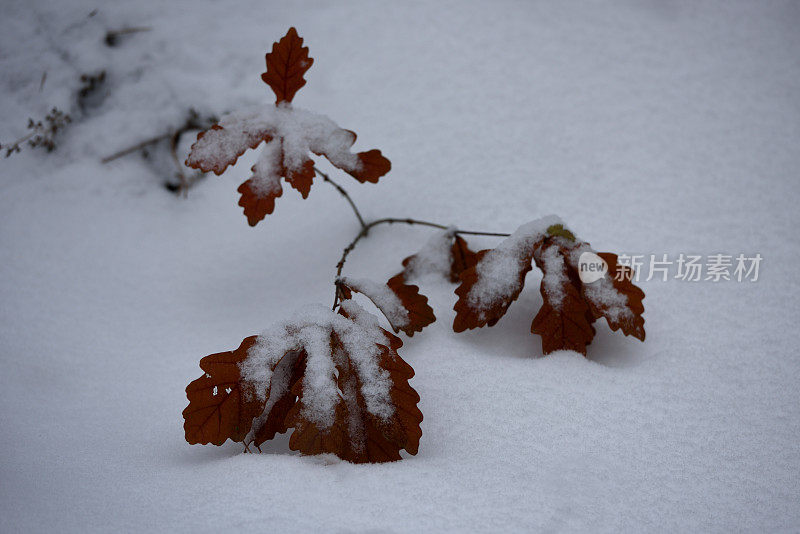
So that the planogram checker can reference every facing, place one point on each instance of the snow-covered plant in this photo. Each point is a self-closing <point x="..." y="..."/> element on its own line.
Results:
<point x="569" y="306"/>
<point x="334" y="375"/>
<point x="289" y="135"/>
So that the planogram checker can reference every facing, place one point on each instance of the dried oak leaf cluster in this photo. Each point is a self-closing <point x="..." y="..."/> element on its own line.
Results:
<point x="569" y="306"/>
<point x="290" y="135"/>
<point x="335" y="378"/>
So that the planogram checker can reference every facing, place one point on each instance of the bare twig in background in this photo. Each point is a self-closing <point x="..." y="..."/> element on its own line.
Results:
<point x="42" y="133"/>
<point x="193" y="122"/>
<point x="134" y="148"/>
<point x="89" y="93"/>
<point x="113" y="36"/>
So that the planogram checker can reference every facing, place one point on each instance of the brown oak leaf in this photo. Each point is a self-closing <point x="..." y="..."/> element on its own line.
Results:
<point x="286" y="65"/>
<point x="420" y="314"/>
<point x="356" y="434"/>
<point x="256" y="201"/>
<point x="280" y="397"/>
<point x="463" y="258"/>
<point x="476" y="311"/>
<point x="622" y="279"/>
<point x="569" y="306"/>
<point x="219" y="408"/>
<point x="564" y="321"/>
<point x="372" y="166"/>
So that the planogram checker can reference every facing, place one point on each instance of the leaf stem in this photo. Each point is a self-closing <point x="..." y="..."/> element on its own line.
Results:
<point x="137" y="146"/>
<point x="345" y="194"/>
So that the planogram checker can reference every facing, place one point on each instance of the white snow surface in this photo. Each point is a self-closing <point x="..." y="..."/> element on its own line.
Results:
<point x="650" y="127"/>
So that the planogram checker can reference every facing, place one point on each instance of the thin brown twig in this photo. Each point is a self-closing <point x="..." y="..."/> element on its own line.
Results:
<point x="137" y="146"/>
<point x="113" y="35"/>
<point x="192" y="122"/>
<point x="345" y="194"/>
<point x="19" y="141"/>
<point x="125" y="31"/>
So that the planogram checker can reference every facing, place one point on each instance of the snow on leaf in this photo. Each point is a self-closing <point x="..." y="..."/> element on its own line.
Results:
<point x="258" y="194"/>
<point x="290" y="134"/>
<point x="402" y="304"/>
<point x="495" y="281"/>
<point x="420" y="314"/>
<point x="445" y="253"/>
<point x="335" y="378"/>
<point x="358" y="434"/>
<point x="384" y="298"/>
<point x="286" y="65"/>
<point x="621" y="277"/>
<point x="569" y="306"/>
<point x="614" y="296"/>
<point x="220" y="146"/>
<point x="433" y="258"/>
<point x="286" y="373"/>
<point x="554" y="275"/>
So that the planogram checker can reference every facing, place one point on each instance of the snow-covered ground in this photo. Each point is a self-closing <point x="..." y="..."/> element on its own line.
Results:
<point x="651" y="127"/>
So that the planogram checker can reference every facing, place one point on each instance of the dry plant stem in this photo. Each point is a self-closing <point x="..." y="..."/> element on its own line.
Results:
<point x="21" y="140"/>
<point x="174" y="137"/>
<point x="365" y="228"/>
<point x="125" y="31"/>
<point x="113" y="35"/>
<point x="137" y="146"/>
<point x="344" y="193"/>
